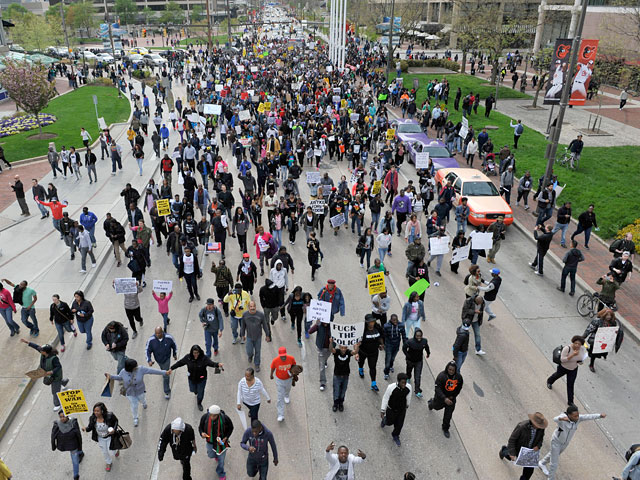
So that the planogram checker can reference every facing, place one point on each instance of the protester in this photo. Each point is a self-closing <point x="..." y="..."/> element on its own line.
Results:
<point x="395" y="403"/>
<point x="448" y="386"/>
<point x="256" y="441"/>
<point x="160" y="345"/>
<point x="50" y="364"/>
<point x="216" y="428"/>
<point x="571" y="357"/>
<point x="341" y="464"/>
<point x="281" y="366"/>
<point x="250" y="390"/>
<point x="103" y="426"/>
<point x="196" y="362"/>
<point x="527" y="434"/>
<point x="179" y="436"/>
<point x="66" y="437"/>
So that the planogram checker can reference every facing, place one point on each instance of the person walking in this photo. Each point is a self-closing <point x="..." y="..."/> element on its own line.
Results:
<point x="53" y="158"/>
<point x="56" y="211"/>
<point x="88" y="220"/>
<point x="571" y="357"/>
<point x="18" y="189"/>
<point x="197" y="362"/>
<point x="163" y="306"/>
<point x="223" y="282"/>
<point x="332" y="294"/>
<point x="115" y="339"/>
<point x="180" y="437"/>
<point x="563" y="219"/>
<point x="85" y="246"/>
<point x="447" y="388"/>
<point x="491" y="292"/>
<point x="66" y="437"/>
<point x="90" y="160"/>
<point x="250" y="390"/>
<point x="50" y="363"/>
<point x="567" y="428"/>
<point x="518" y="130"/>
<point x="624" y="95"/>
<point x="256" y="441"/>
<point x="472" y="313"/>
<point x="132" y="308"/>
<point x="630" y="471"/>
<point x="413" y="313"/>
<point x="39" y="193"/>
<point x="238" y="303"/>
<point x="294" y="305"/>
<point x="189" y="269"/>
<point x="497" y="228"/>
<point x="251" y="328"/>
<point x="247" y="273"/>
<point x="372" y="342"/>
<point x="527" y="434"/>
<point x="621" y="267"/>
<point x="605" y="318"/>
<point x="461" y="344"/>
<point x="323" y="347"/>
<point x="83" y="310"/>
<point x="27" y="297"/>
<point x="506" y="183"/>
<point x="524" y="188"/>
<point x="341" y="464"/>
<point x="393" y="333"/>
<point x="341" y="359"/>
<point x="213" y="324"/>
<point x="132" y="378"/>
<point x="216" y="428"/>
<point x="103" y="426"/>
<point x="570" y="268"/>
<point x="395" y="403"/>
<point x="7" y="309"/>
<point x="543" y="235"/>
<point x="412" y="350"/>
<point x="281" y="366"/>
<point x="160" y="345"/>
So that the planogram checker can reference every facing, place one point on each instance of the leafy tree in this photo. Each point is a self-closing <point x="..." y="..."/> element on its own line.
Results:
<point x="35" y="32"/>
<point x="127" y="11"/>
<point x="173" y="14"/>
<point x="28" y="86"/>
<point x="14" y="11"/>
<point x="81" y="16"/>
<point x="197" y="14"/>
<point x="148" y="15"/>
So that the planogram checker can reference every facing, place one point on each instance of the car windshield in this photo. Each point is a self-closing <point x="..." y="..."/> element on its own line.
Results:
<point x="409" y="128"/>
<point x="437" y="152"/>
<point x="479" y="189"/>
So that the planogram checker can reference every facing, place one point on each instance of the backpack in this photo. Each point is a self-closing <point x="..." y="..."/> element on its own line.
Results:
<point x="632" y="449"/>
<point x="557" y="352"/>
<point x="615" y="245"/>
<point x="519" y="129"/>
<point x="466" y="279"/>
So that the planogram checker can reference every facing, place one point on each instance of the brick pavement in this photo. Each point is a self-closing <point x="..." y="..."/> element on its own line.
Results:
<point x="27" y="172"/>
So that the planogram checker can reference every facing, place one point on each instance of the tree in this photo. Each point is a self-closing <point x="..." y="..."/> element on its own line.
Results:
<point x="542" y="64"/>
<point x="14" y="12"/>
<point x="28" y="86"/>
<point x="81" y="16"/>
<point x="127" y="11"/>
<point x="197" y="14"/>
<point x="148" y="15"/>
<point x="35" y="32"/>
<point x="173" y="14"/>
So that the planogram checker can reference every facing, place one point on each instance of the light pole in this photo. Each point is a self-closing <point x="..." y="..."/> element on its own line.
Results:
<point x="390" y="46"/>
<point x="552" y="147"/>
<point x="66" y="37"/>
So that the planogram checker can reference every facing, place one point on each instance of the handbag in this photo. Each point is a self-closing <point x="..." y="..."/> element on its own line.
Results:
<point x="557" y="352"/>
<point x="122" y="439"/>
<point x="48" y="380"/>
<point x="133" y="266"/>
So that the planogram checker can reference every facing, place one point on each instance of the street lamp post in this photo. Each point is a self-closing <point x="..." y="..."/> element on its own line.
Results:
<point x="390" y="46"/>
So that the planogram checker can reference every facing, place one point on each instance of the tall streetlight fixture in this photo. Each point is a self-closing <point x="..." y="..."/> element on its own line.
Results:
<point x="390" y="46"/>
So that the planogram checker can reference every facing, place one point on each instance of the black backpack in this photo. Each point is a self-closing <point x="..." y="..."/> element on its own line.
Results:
<point x="17" y="295"/>
<point x="557" y="353"/>
<point x="632" y="449"/>
<point x="466" y="279"/>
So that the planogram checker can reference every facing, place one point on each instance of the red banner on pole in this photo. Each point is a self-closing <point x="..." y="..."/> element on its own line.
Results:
<point x="584" y="72"/>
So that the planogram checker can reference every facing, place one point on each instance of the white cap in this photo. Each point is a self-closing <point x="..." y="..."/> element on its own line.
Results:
<point x="177" y="424"/>
<point x="214" y="410"/>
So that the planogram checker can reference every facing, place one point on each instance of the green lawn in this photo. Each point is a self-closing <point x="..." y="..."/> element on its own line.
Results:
<point x="607" y="177"/>
<point x="73" y="111"/>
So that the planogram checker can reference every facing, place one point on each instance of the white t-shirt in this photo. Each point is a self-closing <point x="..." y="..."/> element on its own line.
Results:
<point x="188" y="263"/>
<point x="414" y="311"/>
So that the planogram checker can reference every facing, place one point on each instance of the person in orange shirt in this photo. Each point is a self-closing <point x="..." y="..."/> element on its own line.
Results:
<point x="281" y="365"/>
<point x="56" y="211"/>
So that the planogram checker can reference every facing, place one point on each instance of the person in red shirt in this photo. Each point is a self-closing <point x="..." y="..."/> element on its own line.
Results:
<point x="7" y="309"/>
<point x="56" y="212"/>
<point x="281" y="366"/>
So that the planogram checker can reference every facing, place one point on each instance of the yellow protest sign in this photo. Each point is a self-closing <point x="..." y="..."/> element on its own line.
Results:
<point x="343" y="103"/>
<point x="391" y="133"/>
<point x="376" y="283"/>
<point x="377" y="187"/>
<point x="72" y="401"/>
<point x="267" y="106"/>
<point x="163" y="207"/>
<point x="290" y="47"/>
<point x="261" y="108"/>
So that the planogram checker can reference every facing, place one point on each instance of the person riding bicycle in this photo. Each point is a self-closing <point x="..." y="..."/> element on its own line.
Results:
<point x="608" y="293"/>
<point x="575" y="148"/>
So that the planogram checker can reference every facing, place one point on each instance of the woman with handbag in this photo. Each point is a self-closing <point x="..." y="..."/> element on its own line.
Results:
<point x="50" y="363"/>
<point x="104" y="429"/>
<point x="133" y="387"/>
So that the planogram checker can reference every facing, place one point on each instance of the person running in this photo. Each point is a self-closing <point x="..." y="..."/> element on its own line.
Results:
<point x="527" y="434"/>
<point x="197" y="362"/>
<point x="7" y="309"/>
<point x="281" y="366"/>
<point x="250" y="390"/>
<point x="179" y="436"/>
<point x="570" y="358"/>
<point x="66" y="437"/>
<point x="160" y="345"/>
<point x="412" y="350"/>
<point x="216" y="428"/>
<point x="50" y="363"/>
<point x="395" y="403"/>
<point x="447" y="388"/>
<point x="103" y="426"/>
<point x="341" y="464"/>
<point x="256" y="441"/>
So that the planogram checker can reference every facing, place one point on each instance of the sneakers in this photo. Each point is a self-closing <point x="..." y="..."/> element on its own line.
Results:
<point x="215" y="353"/>
<point x="419" y="394"/>
<point x="335" y="408"/>
<point x="235" y="340"/>
<point x="62" y="349"/>
<point x="57" y="409"/>
<point x="543" y="468"/>
<point x="446" y="433"/>
<point x="257" y="368"/>
<point x="144" y="405"/>
<point x="75" y="333"/>
<point x="93" y="265"/>
<point x="386" y="376"/>
<point x="430" y="404"/>
<point x="134" y="335"/>
<point x="200" y="407"/>
<point x="491" y="317"/>
<point x="322" y="387"/>
<point x="287" y="400"/>
<point x="559" y="289"/>
<point x="361" y="372"/>
<point x="383" y="422"/>
<point x="135" y="422"/>
<point x="167" y="396"/>
<point x="549" y="386"/>
<point x="299" y="343"/>
<point x="280" y="418"/>
<point x="64" y="382"/>
<point x="108" y="467"/>
<point x="480" y="352"/>
<point x="397" y="440"/>
<point x="374" y="387"/>
<point x="82" y="271"/>
<point x="306" y="334"/>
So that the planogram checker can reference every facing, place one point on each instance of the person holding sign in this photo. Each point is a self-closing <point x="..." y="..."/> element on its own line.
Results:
<point x="50" y="363"/>
<point x="341" y="358"/>
<point x="66" y="437"/>
<point x="528" y="434"/>
<point x="605" y="319"/>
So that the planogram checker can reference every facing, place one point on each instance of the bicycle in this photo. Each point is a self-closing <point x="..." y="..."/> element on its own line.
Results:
<point x="565" y="159"/>
<point x="589" y="304"/>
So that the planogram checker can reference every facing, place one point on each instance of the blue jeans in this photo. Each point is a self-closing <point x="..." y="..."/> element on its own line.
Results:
<point x="476" y="335"/>
<point x="253" y="348"/>
<point x="257" y="466"/>
<point x="390" y="352"/>
<point x="139" y="160"/>
<point x="211" y="453"/>
<point x="7" y="314"/>
<point x="56" y="225"/>
<point x="562" y="227"/>
<point x="235" y="322"/>
<point x="85" y="327"/>
<point x="356" y="223"/>
<point x="134" y="401"/>
<point x="461" y="225"/>
<point x="277" y="236"/>
<point x="381" y="253"/>
<point x="198" y="389"/>
<point x="409" y="324"/>
<point x="544" y="215"/>
<point x="165" y="317"/>
<point x="61" y="327"/>
<point x="43" y="209"/>
<point x="460" y="359"/>
<point x="587" y="234"/>
<point x="367" y="252"/>
<point x="210" y="338"/>
<point x="25" y="313"/>
<point x="75" y="460"/>
<point x="176" y="260"/>
<point x="375" y="218"/>
<point x="119" y="357"/>
<point x="92" y="232"/>
<point x="340" y="383"/>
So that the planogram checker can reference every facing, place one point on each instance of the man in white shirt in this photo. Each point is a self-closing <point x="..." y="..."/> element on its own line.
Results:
<point x="341" y="465"/>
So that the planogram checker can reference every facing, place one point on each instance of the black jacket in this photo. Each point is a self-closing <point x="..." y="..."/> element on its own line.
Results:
<point x="521" y="436"/>
<point x="181" y="449"/>
<point x="624" y="268"/>
<point x="587" y="219"/>
<point x="223" y="422"/>
<point x="462" y="341"/>
<point x="269" y="297"/>
<point x="120" y="337"/>
<point x="572" y="258"/>
<point x="196" y="266"/>
<point x="197" y="368"/>
<point x="60" y="313"/>
<point x="130" y="196"/>
<point x="111" y="420"/>
<point x="66" y="442"/>
<point x="469" y="309"/>
<point x="413" y="348"/>
<point x="544" y="240"/>
<point x="285" y="258"/>
<point x="448" y="386"/>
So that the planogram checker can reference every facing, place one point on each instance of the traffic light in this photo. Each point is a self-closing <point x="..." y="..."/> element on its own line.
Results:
<point x="144" y="33"/>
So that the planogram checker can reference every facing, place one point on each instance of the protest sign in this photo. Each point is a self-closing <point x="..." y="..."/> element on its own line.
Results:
<point x="125" y="285"/>
<point x="418" y="287"/>
<point x="72" y="401"/>
<point x="208" y="109"/>
<point x="391" y="133"/>
<point x="376" y="283"/>
<point x="245" y="142"/>
<point x="160" y="286"/>
<point x="163" y="207"/>
<point x="254" y="69"/>
<point x="463" y="132"/>
<point x="439" y="245"/>
<point x="348" y="335"/>
<point x="337" y="220"/>
<point x="193" y="117"/>
<point x="218" y="87"/>
<point x="317" y="152"/>
<point x="481" y="241"/>
<point x="267" y="106"/>
<point x="217" y="110"/>
<point x="244" y="115"/>
<point x="354" y="117"/>
<point x="528" y="457"/>
<point x="422" y="160"/>
<point x="314" y="177"/>
<point x="460" y="254"/>
<point x="238" y="129"/>
<point x="213" y="247"/>
<point x="319" y="310"/>
<point x="377" y="187"/>
<point x="241" y="68"/>
<point x="605" y="340"/>
<point x="35" y="374"/>
<point x="317" y="206"/>
<point x="107" y="389"/>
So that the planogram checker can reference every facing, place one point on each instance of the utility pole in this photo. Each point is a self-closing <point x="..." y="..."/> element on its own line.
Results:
<point x="66" y="37"/>
<point x="209" y="25"/>
<point x="390" y="46"/>
<point x="552" y="147"/>
<point x="106" y="19"/>
<point x="228" y="23"/>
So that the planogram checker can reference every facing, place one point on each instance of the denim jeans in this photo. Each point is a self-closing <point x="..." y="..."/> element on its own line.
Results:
<point x="61" y="327"/>
<point x="165" y="318"/>
<point x="257" y="466"/>
<point x="571" y="272"/>
<point x="25" y="313"/>
<point x="175" y="259"/>
<point x="134" y="401"/>
<point x="366" y="252"/>
<point x="85" y="327"/>
<point x="409" y="324"/>
<point x="210" y="338"/>
<point x="587" y="234"/>
<point x="119" y="357"/>
<point x="253" y="349"/>
<point x="544" y="214"/>
<point x="235" y="322"/>
<point x="56" y="225"/>
<point x="43" y="209"/>
<point x="460" y="359"/>
<point x="7" y="314"/>
<point x="461" y="225"/>
<point x="381" y="254"/>
<point x="563" y="227"/>
<point x="476" y="335"/>
<point x="390" y="352"/>
<point x="92" y="233"/>
<point x="197" y="389"/>
<point x="375" y="218"/>
<point x="211" y="453"/>
<point x="75" y="460"/>
<point x="83" y="256"/>
<point x="340" y="383"/>
<point x="277" y="236"/>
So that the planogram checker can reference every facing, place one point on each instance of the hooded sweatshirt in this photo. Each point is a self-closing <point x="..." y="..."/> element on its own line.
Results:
<point x="279" y="277"/>
<point x="181" y="445"/>
<point x="197" y="367"/>
<point x="448" y="386"/>
<point x="269" y="296"/>
<point x="413" y="348"/>
<point x="261" y="443"/>
<point x="394" y="333"/>
<point x="462" y="341"/>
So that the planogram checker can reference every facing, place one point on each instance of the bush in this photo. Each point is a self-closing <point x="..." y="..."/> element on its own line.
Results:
<point x="634" y="229"/>
<point x="102" y="82"/>
<point x="404" y="65"/>
<point x="140" y="74"/>
<point x="431" y="62"/>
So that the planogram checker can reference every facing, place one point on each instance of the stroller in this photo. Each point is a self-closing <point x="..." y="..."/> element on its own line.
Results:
<point x="489" y="165"/>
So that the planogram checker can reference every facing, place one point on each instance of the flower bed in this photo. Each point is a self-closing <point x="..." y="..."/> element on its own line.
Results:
<point x="22" y="123"/>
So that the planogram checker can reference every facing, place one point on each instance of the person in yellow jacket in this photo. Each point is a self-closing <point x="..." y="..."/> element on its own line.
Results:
<point x="5" y="473"/>
<point x="131" y="135"/>
<point x="238" y="302"/>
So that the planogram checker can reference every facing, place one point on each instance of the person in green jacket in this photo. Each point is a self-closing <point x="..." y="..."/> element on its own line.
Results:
<point x="50" y="363"/>
<point x="144" y="235"/>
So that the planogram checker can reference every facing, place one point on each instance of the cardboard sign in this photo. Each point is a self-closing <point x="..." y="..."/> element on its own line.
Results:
<point x="348" y="335"/>
<point x="125" y="285"/>
<point x="314" y="177"/>
<point x="213" y="247"/>
<point x="317" y="206"/>
<point x="218" y="87"/>
<point x="241" y="68"/>
<point x="422" y="160"/>
<point x="376" y="283"/>
<point x="439" y="245"/>
<point x="319" y="311"/>
<point x="163" y="207"/>
<point x="463" y="132"/>
<point x="261" y="108"/>
<point x="317" y="152"/>
<point x="160" y="286"/>
<point x="267" y="106"/>
<point x="72" y="401"/>
<point x="238" y="129"/>
<point x="460" y="254"/>
<point x="419" y="287"/>
<point x="481" y="241"/>
<point x="102" y="124"/>
<point x="377" y="187"/>
<point x="35" y="374"/>
<point x="605" y="340"/>
<point x="244" y="115"/>
<point x="337" y="220"/>
<point x="391" y="133"/>
<point x="245" y="142"/>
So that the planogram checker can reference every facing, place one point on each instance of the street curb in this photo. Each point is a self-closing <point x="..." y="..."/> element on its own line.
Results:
<point x="629" y="329"/>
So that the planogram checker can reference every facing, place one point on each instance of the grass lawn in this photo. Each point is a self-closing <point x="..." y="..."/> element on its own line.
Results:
<point x="73" y="111"/>
<point x="607" y="177"/>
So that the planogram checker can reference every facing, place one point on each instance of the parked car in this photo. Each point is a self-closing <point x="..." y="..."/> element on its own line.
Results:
<point x="117" y="55"/>
<point x="438" y="152"/>
<point x="105" y="57"/>
<point x="154" y="60"/>
<point x="134" y="58"/>
<point x="87" y="55"/>
<point x="484" y="200"/>
<point x="139" y="50"/>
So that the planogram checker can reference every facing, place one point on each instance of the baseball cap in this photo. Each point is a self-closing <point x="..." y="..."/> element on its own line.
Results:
<point x="331" y="280"/>
<point x="245" y="255"/>
<point x="495" y="271"/>
<point x="210" y="301"/>
<point x="282" y="351"/>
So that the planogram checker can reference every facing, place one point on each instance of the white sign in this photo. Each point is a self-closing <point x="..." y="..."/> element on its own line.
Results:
<point x="244" y="115"/>
<point x="337" y="220"/>
<point x="319" y="311"/>
<point x="193" y="117"/>
<point x="314" y="177"/>
<point x="465" y="122"/>
<point x="335" y="99"/>
<point x="209" y="109"/>
<point x="160" y="286"/>
<point x="317" y="206"/>
<point x="356" y="148"/>
<point x="481" y="241"/>
<point x="439" y="245"/>
<point x="241" y="68"/>
<point x="255" y="98"/>
<point x="347" y="335"/>
<point x="605" y="340"/>
<point x="219" y="88"/>
<point x="354" y="117"/>
<point x="422" y="160"/>
<point x="528" y="457"/>
<point x="463" y="132"/>
<point x="460" y="254"/>
<point x="558" y="189"/>
<point x="329" y="68"/>
<point x="254" y="69"/>
<point x="317" y="152"/>
<point x="125" y="285"/>
<point x="101" y="123"/>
